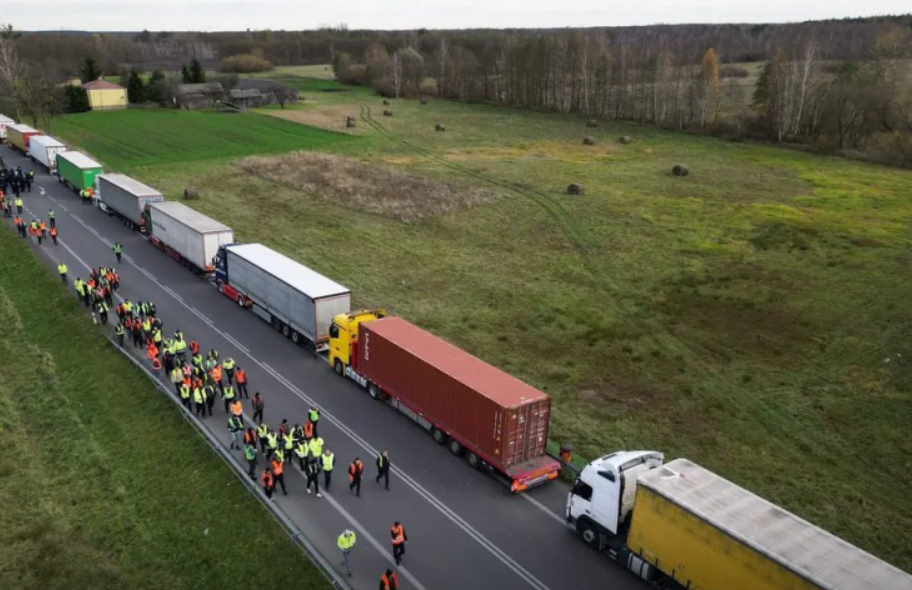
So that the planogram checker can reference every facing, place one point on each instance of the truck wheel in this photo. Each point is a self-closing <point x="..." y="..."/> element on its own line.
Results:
<point x="473" y="460"/>
<point x="221" y="287"/>
<point x="456" y="448"/>
<point x="374" y="391"/>
<point x="439" y="436"/>
<point x="338" y="367"/>
<point x="286" y="331"/>
<point x="295" y="337"/>
<point x="589" y="535"/>
<point x="240" y="300"/>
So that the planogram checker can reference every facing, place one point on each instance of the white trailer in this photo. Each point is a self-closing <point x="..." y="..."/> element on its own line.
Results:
<point x="4" y="121"/>
<point x="188" y="236"/>
<point x="296" y="300"/>
<point x="43" y="149"/>
<point x="125" y="197"/>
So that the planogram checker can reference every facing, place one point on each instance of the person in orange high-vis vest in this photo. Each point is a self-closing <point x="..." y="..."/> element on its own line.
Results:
<point x="278" y="470"/>
<point x="216" y="374"/>
<point x="308" y="430"/>
<point x="355" y="471"/>
<point x="236" y="408"/>
<point x="53" y="233"/>
<point x="268" y="482"/>
<point x="388" y="581"/>
<point x="399" y="539"/>
<point x="240" y="376"/>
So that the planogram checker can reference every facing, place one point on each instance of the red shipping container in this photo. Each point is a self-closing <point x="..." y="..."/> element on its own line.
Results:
<point x="498" y="417"/>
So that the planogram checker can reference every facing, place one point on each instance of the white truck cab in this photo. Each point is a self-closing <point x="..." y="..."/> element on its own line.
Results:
<point x="600" y="503"/>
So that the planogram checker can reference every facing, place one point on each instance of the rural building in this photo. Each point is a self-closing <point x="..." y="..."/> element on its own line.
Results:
<point x="199" y="96"/>
<point x="269" y="89"/>
<point x="104" y="95"/>
<point x="246" y="98"/>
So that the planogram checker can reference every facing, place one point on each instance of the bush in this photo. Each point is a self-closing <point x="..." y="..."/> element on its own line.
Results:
<point x="75" y="99"/>
<point x="245" y="63"/>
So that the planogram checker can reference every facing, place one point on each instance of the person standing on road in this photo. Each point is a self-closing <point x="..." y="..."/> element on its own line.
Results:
<point x="198" y="402"/>
<point x="399" y="539"/>
<point x="268" y="482"/>
<point x="184" y="391"/>
<point x="119" y="330"/>
<point x="345" y="543"/>
<point x="62" y="269"/>
<point x="383" y="468"/>
<point x="102" y="309"/>
<point x="315" y="446"/>
<point x="228" y="364"/>
<point x="314" y="416"/>
<point x="262" y="432"/>
<point x="250" y="453"/>
<point x="18" y="203"/>
<point x="258" y="407"/>
<point x="118" y="250"/>
<point x="278" y="471"/>
<point x="52" y="218"/>
<point x="228" y="394"/>
<point x="326" y="462"/>
<point x="235" y="427"/>
<point x="302" y="452"/>
<point x="240" y="377"/>
<point x="388" y="581"/>
<point x="29" y="179"/>
<point x="355" y="471"/>
<point x="272" y="444"/>
<point x="53" y="234"/>
<point x="313" y="476"/>
<point x="209" y="392"/>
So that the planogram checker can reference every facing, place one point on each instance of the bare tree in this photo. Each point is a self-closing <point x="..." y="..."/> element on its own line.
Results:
<point x="443" y="56"/>
<point x="12" y="68"/>
<point x="395" y="70"/>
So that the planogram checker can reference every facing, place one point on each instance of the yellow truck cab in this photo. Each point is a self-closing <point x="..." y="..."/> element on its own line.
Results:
<point x="343" y="337"/>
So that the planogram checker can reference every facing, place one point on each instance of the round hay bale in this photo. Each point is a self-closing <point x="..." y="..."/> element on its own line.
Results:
<point x="423" y="101"/>
<point x="386" y="103"/>
<point x="625" y="139"/>
<point x="588" y="140"/>
<point x="680" y="170"/>
<point x="350" y="122"/>
<point x="387" y="113"/>
<point x="575" y="189"/>
<point x="190" y="193"/>
<point x="591" y="123"/>
<point x="439" y="127"/>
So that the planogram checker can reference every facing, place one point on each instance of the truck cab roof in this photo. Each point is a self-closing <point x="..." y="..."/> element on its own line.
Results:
<point x="621" y="460"/>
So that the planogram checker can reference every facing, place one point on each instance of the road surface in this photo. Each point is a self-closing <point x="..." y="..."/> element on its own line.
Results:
<point x="465" y="530"/>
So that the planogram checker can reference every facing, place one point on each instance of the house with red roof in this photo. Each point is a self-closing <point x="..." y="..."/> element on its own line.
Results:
<point x="104" y="95"/>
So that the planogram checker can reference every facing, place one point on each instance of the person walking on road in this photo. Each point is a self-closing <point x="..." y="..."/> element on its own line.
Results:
<point x="355" y="472"/>
<point x="118" y="250"/>
<point x="262" y="432"/>
<point x="240" y="377"/>
<point x="210" y="397"/>
<point x="52" y="218"/>
<point x="18" y="203"/>
<point x="258" y="407"/>
<point x="102" y="309"/>
<point x="388" y="581"/>
<point x="29" y="179"/>
<point x="383" y="468"/>
<point x="268" y="482"/>
<point x="199" y="403"/>
<point x="184" y="391"/>
<point x="312" y="471"/>
<point x="250" y="454"/>
<point x="314" y="416"/>
<point x="62" y="269"/>
<point x="345" y="543"/>
<point x="236" y="427"/>
<point x="315" y="446"/>
<point x="272" y="444"/>
<point x="399" y="539"/>
<point x="228" y="364"/>
<point x="303" y="453"/>
<point x="278" y="471"/>
<point x="53" y="234"/>
<point x="119" y="330"/>
<point x="229" y="396"/>
<point x="326" y="462"/>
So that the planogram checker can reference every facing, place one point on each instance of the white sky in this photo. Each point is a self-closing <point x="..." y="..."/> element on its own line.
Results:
<point x="234" y="15"/>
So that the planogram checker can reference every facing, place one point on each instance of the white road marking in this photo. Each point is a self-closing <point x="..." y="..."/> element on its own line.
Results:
<point x="545" y="509"/>
<point x="173" y="294"/>
<point x="41" y="190"/>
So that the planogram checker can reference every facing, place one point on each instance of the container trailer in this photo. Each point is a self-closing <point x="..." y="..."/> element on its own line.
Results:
<point x="679" y="525"/>
<point x="77" y="171"/>
<point x="126" y="198"/>
<point x="4" y="123"/>
<point x="43" y="149"/>
<point x="18" y="137"/>
<point x="191" y="238"/>
<point x="296" y="300"/>
<point x="499" y="423"/>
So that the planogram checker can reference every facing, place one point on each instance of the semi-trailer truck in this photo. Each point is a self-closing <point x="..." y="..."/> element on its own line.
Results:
<point x="499" y="423"/>
<point x="297" y="301"/>
<point x="682" y="526"/>
<point x="4" y="123"/>
<point x="77" y="171"/>
<point x="18" y="137"/>
<point x="126" y="198"/>
<point x="186" y="235"/>
<point x="43" y="149"/>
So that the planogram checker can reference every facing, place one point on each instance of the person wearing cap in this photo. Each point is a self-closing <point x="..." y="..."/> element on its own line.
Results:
<point x="346" y="542"/>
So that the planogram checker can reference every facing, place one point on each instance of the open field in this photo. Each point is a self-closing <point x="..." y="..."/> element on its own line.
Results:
<point x="742" y="317"/>
<point x="103" y="484"/>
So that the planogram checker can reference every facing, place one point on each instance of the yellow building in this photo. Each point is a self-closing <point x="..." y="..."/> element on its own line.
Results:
<point x="105" y="95"/>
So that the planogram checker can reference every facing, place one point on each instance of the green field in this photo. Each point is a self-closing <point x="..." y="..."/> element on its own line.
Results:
<point x="752" y="317"/>
<point x="103" y="484"/>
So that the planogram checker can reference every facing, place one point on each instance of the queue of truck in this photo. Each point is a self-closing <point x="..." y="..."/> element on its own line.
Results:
<point x="675" y="524"/>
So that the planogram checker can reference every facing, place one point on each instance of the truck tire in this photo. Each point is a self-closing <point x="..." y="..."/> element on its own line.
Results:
<point x="286" y="330"/>
<point x="221" y="287"/>
<point x="440" y="436"/>
<point x="240" y="300"/>
<point x="295" y="337"/>
<point x="456" y="448"/>
<point x="374" y="391"/>
<point x="589" y="535"/>
<point x="340" y="370"/>
<point x="473" y="460"/>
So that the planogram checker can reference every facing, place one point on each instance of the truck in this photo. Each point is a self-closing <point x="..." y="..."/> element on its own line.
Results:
<point x="298" y="302"/>
<point x="4" y="122"/>
<point x="77" y="171"/>
<point x="126" y="198"/>
<point x="43" y="149"/>
<point x="680" y="525"/>
<point x="191" y="238"/>
<point x="18" y="137"/>
<point x="496" y="421"/>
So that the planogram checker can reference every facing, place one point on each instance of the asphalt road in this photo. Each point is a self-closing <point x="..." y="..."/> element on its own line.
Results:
<point x="465" y="530"/>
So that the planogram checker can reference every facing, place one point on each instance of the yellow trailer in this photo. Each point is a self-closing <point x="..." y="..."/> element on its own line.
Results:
<point x="18" y="137"/>
<point x="710" y="534"/>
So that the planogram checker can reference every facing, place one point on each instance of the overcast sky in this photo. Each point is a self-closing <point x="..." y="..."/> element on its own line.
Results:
<point x="222" y="15"/>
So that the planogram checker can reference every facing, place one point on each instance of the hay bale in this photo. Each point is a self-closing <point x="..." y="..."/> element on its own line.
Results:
<point x="190" y="193"/>
<point x="386" y="103"/>
<point x="575" y="189"/>
<point x="625" y="139"/>
<point x="588" y="140"/>
<point x="387" y="113"/>
<point x="591" y="123"/>
<point x="439" y="127"/>
<point x="680" y="170"/>
<point x="423" y="101"/>
<point x="350" y="122"/>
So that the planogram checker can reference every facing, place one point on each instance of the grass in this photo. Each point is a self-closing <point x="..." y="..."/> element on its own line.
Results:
<point x="752" y="317"/>
<point x="103" y="484"/>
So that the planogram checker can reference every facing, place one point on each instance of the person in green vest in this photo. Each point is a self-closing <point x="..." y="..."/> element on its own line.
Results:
<point x="316" y="448"/>
<point x="118" y="250"/>
<point x="228" y="364"/>
<point x="327" y="461"/>
<point x="228" y="394"/>
<point x="302" y="452"/>
<point x="272" y="444"/>
<point x="185" y="395"/>
<point x="199" y="401"/>
<point x="62" y="269"/>
<point x="235" y="427"/>
<point x="119" y="330"/>
<point x="314" y="416"/>
<point x="345" y="543"/>
<point x="250" y="453"/>
<point x="52" y="218"/>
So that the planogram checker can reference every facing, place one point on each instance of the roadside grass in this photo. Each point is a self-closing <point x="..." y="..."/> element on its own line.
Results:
<point x="741" y="317"/>
<point x="103" y="485"/>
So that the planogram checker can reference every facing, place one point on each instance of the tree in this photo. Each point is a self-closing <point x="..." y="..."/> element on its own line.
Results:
<point x="76" y="99"/>
<point x="155" y="87"/>
<point x="185" y="75"/>
<point x="395" y="72"/>
<point x="90" y="70"/>
<point x="707" y="86"/>
<point x="39" y="100"/>
<point x="12" y="68"/>
<point x="197" y="74"/>
<point x="412" y="68"/>
<point x="136" y="88"/>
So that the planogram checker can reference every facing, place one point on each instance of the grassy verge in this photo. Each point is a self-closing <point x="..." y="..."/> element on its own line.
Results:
<point x="741" y="317"/>
<point x="102" y="484"/>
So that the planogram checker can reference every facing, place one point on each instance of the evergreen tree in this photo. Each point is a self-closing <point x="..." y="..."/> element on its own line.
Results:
<point x="76" y="99"/>
<point x="197" y="74"/>
<point x="136" y="88"/>
<point x="185" y="75"/>
<point x="90" y="70"/>
<point x="155" y="89"/>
